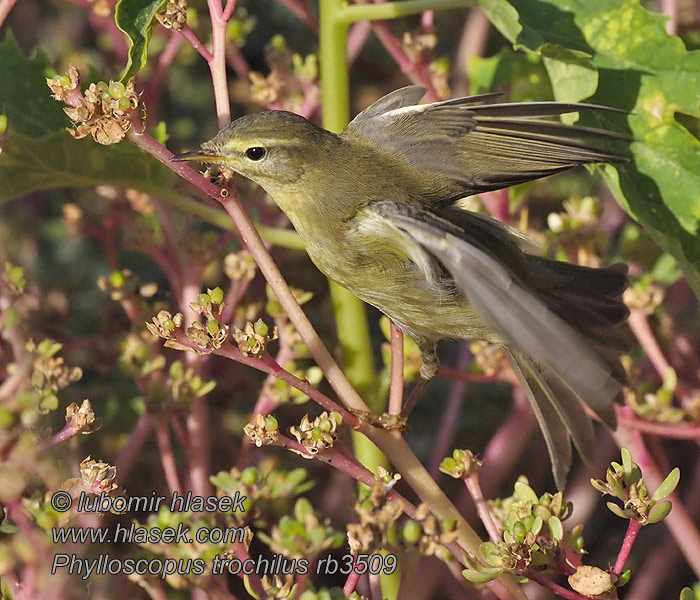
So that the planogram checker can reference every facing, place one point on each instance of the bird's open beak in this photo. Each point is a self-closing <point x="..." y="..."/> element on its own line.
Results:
<point x="199" y="155"/>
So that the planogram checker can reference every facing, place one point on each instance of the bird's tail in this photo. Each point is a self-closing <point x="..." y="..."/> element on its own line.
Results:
<point x="589" y="300"/>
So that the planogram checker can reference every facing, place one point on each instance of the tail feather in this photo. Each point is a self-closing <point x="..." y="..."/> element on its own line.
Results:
<point x="559" y="413"/>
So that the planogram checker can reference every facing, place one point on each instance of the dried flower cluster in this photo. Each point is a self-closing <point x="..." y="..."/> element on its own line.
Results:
<point x="164" y="324"/>
<point x="377" y="514"/>
<point x="96" y="477"/>
<point x="82" y="418"/>
<point x="104" y="111"/>
<point x="175" y="15"/>
<point x="239" y="266"/>
<point x="319" y="434"/>
<point x="253" y="339"/>
<point x="264" y="431"/>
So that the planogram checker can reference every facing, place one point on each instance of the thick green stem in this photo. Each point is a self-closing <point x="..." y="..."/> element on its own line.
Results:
<point x="394" y="10"/>
<point x="350" y="313"/>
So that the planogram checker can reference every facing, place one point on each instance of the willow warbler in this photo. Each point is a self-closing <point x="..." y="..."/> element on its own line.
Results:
<point x="375" y="206"/>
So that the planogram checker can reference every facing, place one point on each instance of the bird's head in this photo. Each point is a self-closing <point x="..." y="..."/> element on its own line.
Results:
<point x="273" y="148"/>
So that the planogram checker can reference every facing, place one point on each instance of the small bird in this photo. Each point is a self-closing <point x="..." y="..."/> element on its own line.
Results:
<point x="376" y="207"/>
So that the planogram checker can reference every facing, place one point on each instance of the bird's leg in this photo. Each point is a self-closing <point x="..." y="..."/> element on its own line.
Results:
<point x="431" y="364"/>
<point x="428" y="370"/>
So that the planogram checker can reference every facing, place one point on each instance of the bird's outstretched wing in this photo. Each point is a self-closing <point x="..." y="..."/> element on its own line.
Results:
<point x="557" y="364"/>
<point x="478" y="145"/>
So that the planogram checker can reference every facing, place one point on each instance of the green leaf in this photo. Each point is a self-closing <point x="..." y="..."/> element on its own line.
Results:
<point x="668" y="485"/>
<point x="687" y="594"/>
<point x="659" y="511"/>
<point x="483" y="576"/>
<point x="626" y="460"/>
<point x="622" y="51"/>
<point x="523" y="74"/>
<point x="27" y="100"/>
<point x="57" y="160"/>
<point x="556" y="528"/>
<point x="616" y="510"/>
<point x="525" y="492"/>
<point x="136" y="18"/>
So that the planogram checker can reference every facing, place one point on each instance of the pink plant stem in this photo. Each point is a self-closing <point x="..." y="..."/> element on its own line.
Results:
<point x="679" y="522"/>
<point x="187" y="33"/>
<point x="445" y="434"/>
<point x="639" y="324"/>
<point x="396" y="387"/>
<point x="357" y="38"/>
<point x="633" y="528"/>
<point x="471" y="43"/>
<point x="507" y="444"/>
<point x="229" y="9"/>
<point x="556" y="588"/>
<point x="472" y="483"/>
<point x="155" y="83"/>
<point x="679" y="431"/>
<point x="217" y="65"/>
<point x="65" y="434"/>
<point x="416" y="73"/>
<point x="167" y="456"/>
<point x="497" y="205"/>
<point x="117" y="37"/>
<point x="197" y="420"/>
<point x="351" y="583"/>
<point x="427" y="20"/>
<point x="238" y="63"/>
<point x="234" y="296"/>
<point x="137" y="438"/>
<point x="299" y="8"/>
<point x="5" y="8"/>
<point x="670" y="8"/>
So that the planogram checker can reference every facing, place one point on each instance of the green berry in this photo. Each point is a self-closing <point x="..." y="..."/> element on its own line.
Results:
<point x="316" y="434"/>
<point x="336" y="417"/>
<point x="168" y="324"/>
<point x="3" y="124"/>
<point x="448" y="464"/>
<point x="260" y="327"/>
<point x="448" y="524"/>
<point x="271" y="423"/>
<point x="411" y="532"/>
<point x="249" y="476"/>
<point x="177" y="371"/>
<point x="116" y="89"/>
<point x="16" y="274"/>
<point x="116" y="278"/>
<point x="325" y="425"/>
<point x="101" y="87"/>
<point x="124" y="103"/>
<point x="217" y="295"/>
<point x="213" y="327"/>
<point x="62" y="80"/>
<point x="203" y="299"/>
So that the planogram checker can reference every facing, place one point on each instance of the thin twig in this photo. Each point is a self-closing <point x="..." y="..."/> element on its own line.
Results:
<point x="633" y="529"/>
<point x="472" y="483"/>
<point x="397" y="385"/>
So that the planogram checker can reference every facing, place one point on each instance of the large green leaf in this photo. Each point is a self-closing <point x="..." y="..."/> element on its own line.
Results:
<point x="619" y="54"/>
<point x="24" y="96"/>
<point x="136" y="18"/>
<point x="39" y="154"/>
<point x="57" y="160"/>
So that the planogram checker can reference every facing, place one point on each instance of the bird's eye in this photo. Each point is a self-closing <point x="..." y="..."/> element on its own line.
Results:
<point x="255" y="153"/>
